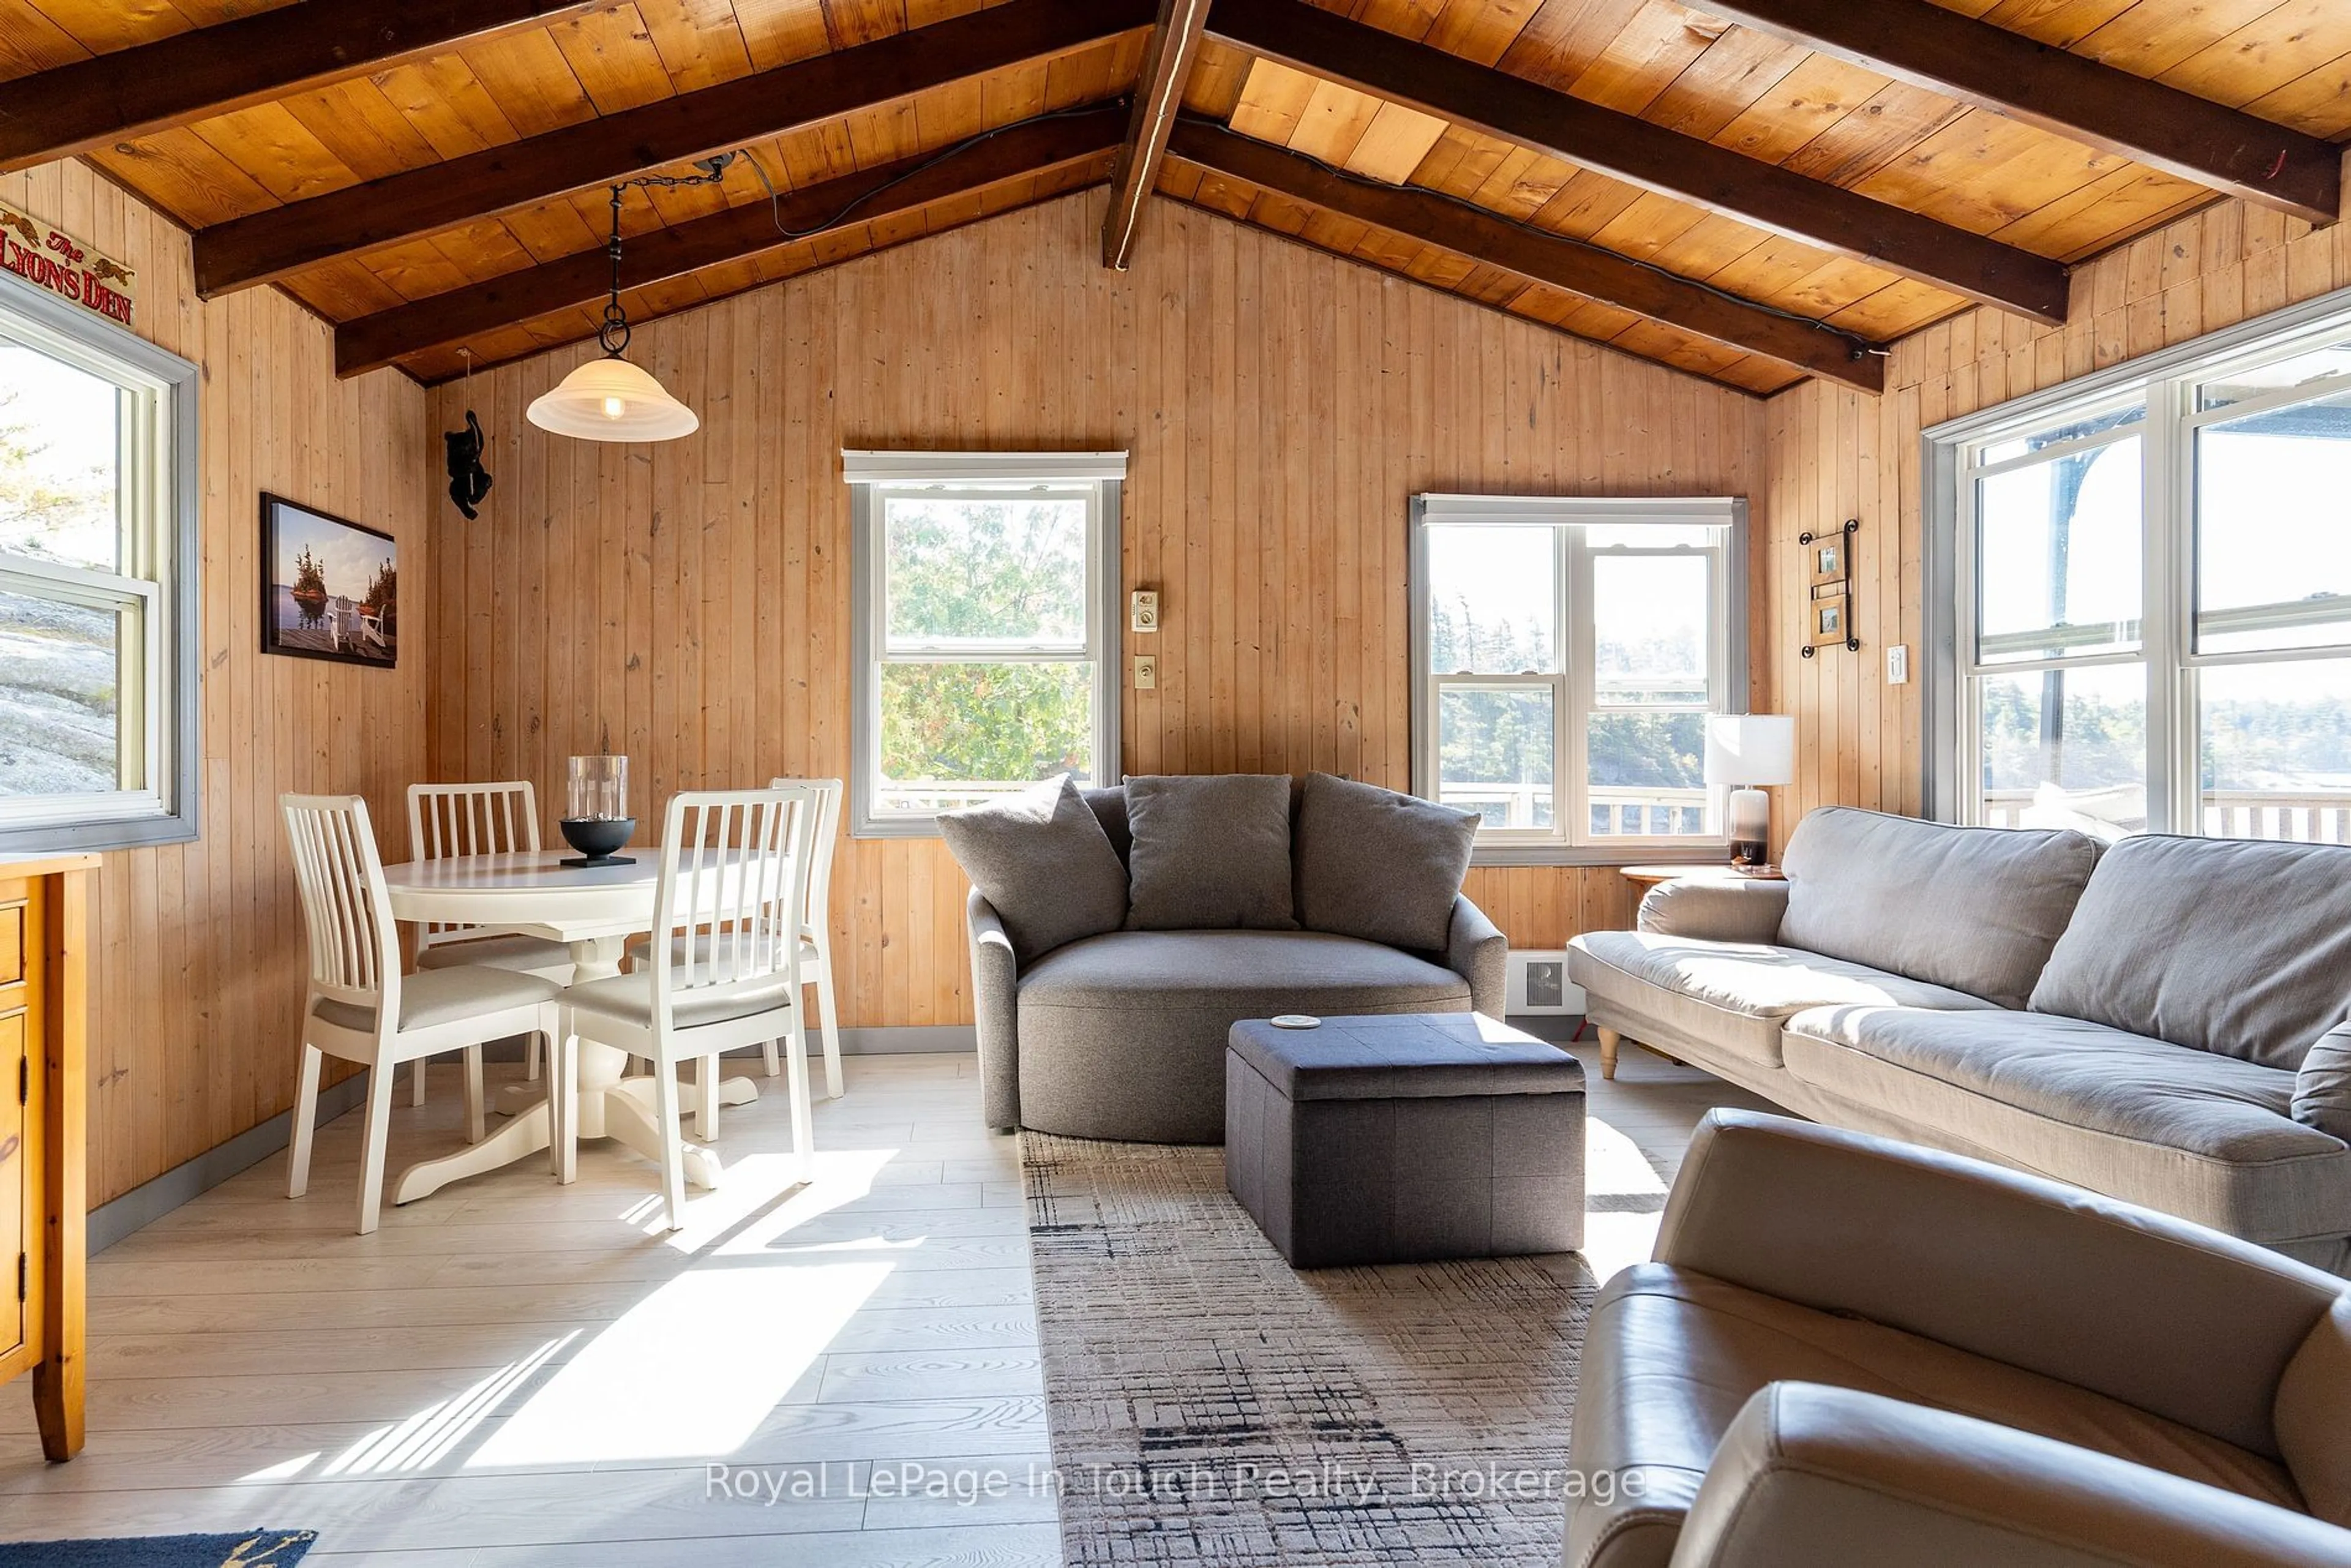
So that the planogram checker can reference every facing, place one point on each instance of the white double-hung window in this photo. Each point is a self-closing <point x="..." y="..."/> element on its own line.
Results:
<point x="2139" y="584"/>
<point x="97" y="561"/>
<point x="986" y="627"/>
<point x="1565" y="655"/>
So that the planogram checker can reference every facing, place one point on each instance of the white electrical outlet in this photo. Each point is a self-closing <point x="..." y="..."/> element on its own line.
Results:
<point x="1897" y="664"/>
<point x="1144" y="611"/>
<point x="1146" y="673"/>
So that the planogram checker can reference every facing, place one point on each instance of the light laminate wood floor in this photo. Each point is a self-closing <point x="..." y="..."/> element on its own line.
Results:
<point x="512" y="1373"/>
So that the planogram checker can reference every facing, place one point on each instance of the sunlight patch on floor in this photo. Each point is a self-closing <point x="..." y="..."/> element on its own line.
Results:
<point x="767" y="1188"/>
<point x="690" y="1371"/>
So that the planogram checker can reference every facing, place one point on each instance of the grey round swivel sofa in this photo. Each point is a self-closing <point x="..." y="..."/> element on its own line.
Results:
<point x="1121" y="1036"/>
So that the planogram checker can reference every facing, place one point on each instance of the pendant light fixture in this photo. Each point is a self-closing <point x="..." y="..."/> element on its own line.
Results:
<point x="610" y="399"/>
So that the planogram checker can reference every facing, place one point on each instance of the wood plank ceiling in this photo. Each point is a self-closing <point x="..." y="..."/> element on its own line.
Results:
<point x="1756" y="195"/>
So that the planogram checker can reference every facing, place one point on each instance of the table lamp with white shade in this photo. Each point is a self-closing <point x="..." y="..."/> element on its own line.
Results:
<point x="1745" y="750"/>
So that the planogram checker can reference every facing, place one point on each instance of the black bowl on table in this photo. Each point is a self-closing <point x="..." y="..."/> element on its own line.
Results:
<point x="596" y="838"/>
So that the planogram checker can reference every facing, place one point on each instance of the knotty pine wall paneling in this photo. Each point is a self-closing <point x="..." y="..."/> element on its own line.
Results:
<point x="687" y="603"/>
<point x="196" y="974"/>
<point x="1835" y="454"/>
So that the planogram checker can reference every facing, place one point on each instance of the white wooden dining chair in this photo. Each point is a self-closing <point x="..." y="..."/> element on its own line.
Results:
<point x="362" y="1008"/>
<point x="735" y="868"/>
<point x="815" y="930"/>
<point x="816" y="925"/>
<point x="498" y="819"/>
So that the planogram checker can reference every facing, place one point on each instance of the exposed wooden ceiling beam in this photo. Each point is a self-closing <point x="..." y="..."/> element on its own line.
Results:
<point x="268" y="245"/>
<point x="1633" y="150"/>
<point x="1158" y="94"/>
<point x="1046" y="145"/>
<point x="962" y="216"/>
<point x="1976" y="62"/>
<point x="1555" y="260"/>
<point x="212" y="71"/>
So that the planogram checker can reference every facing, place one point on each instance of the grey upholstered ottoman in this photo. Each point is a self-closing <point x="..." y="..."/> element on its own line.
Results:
<point x="1392" y="1140"/>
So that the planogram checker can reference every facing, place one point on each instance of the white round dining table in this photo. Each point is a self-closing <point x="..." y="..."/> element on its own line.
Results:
<point x="594" y="910"/>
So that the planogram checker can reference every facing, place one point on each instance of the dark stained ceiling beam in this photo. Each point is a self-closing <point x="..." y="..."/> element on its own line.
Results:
<point x="962" y="218"/>
<point x="1047" y="145"/>
<point x="1630" y="148"/>
<point x="194" y="75"/>
<point x="267" y="246"/>
<point x="1158" y="95"/>
<point x="1946" y="52"/>
<point x="1553" y="260"/>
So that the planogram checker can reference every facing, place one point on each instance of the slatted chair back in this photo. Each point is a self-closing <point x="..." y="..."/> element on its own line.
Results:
<point x="735" y="869"/>
<point x="447" y="819"/>
<point x="346" y="909"/>
<point x="825" y="837"/>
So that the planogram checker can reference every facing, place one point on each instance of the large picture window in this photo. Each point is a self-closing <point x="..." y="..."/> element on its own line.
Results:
<point x="2146" y="582"/>
<point x="1566" y="654"/>
<point x="96" y="565"/>
<point x="987" y="627"/>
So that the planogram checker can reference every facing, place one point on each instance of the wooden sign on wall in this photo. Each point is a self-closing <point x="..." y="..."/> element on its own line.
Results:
<point x="45" y="254"/>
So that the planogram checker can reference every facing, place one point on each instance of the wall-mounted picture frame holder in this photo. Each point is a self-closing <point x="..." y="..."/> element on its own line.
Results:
<point x="1828" y="567"/>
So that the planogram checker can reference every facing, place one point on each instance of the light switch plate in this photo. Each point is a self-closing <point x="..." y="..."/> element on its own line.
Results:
<point x="1144" y="607"/>
<point x="1146" y="673"/>
<point x="1897" y="664"/>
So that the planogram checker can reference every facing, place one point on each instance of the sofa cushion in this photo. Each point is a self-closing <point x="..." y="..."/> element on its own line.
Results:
<point x="1734" y="994"/>
<point x="1976" y="909"/>
<point x="1674" y="1355"/>
<point x="1108" y="807"/>
<point x="2225" y="945"/>
<point x="1379" y="865"/>
<point x="1122" y="1036"/>
<point x="2321" y="1085"/>
<point x="1211" y="852"/>
<point x="2205" y="1137"/>
<point x="1042" y="859"/>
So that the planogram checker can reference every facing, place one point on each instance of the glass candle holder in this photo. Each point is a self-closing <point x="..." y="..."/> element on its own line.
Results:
<point x="596" y="820"/>
<point x="597" y="788"/>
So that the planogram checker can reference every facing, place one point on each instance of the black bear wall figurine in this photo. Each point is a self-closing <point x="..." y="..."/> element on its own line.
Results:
<point x="468" y="480"/>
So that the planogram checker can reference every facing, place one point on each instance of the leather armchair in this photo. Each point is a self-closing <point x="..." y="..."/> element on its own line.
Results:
<point x="1848" y="1350"/>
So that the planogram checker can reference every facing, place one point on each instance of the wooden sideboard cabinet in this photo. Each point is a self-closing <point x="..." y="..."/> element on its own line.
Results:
<point x="44" y="1092"/>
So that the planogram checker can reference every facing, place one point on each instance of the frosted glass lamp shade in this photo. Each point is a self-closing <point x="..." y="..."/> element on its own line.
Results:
<point x="612" y="400"/>
<point x="1750" y="748"/>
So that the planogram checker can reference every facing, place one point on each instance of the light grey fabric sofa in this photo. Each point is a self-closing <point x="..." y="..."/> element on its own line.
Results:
<point x="1121" y="1036"/>
<point x="1849" y="1352"/>
<point x="2134" y="1020"/>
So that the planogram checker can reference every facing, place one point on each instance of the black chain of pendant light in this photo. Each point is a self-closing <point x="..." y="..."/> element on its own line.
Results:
<point x="614" y="334"/>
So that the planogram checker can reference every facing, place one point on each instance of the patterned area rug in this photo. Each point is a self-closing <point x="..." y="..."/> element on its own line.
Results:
<point x="254" y="1549"/>
<point x="1208" y="1404"/>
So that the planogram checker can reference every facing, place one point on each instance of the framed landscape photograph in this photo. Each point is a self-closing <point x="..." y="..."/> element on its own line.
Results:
<point x="330" y="587"/>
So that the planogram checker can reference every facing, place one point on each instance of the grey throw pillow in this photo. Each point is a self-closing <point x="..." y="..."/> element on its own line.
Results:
<point x="1041" y="858"/>
<point x="1211" y="852"/>
<point x="1379" y="865"/>
<point x="2321" y="1090"/>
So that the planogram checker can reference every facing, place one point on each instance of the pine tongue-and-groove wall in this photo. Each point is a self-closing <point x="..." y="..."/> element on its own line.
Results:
<point x="688" y="603"/>
<point x="196" y="969"/>
<point x="1835" y="454"/>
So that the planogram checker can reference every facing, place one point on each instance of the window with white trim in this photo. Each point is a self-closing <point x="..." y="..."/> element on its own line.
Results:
<point x="97" y="530"/>
<point x="987" y="587"/>
<point x="2147" y="583"/>
<point x="1566" y="652"/>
